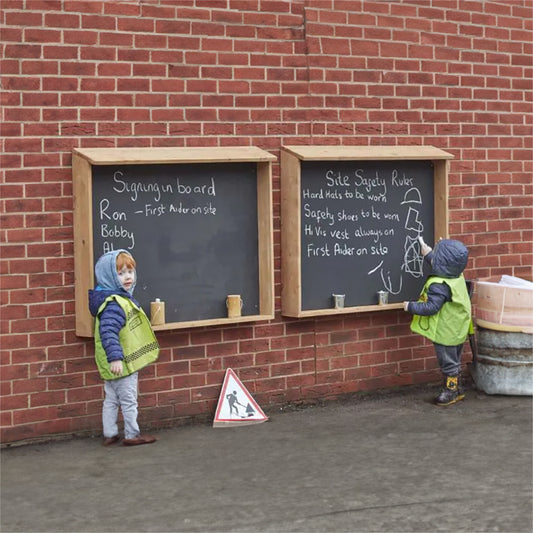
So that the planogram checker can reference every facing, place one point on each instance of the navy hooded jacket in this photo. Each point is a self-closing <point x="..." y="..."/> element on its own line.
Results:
<point x="448" y="260"/>
<point x="112" y="318"/>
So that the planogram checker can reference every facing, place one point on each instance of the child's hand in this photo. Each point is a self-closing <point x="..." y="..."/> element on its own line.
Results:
<point x="405" y="306"/>
<point x="116" y="368"/>
<point x="424" y="248"/>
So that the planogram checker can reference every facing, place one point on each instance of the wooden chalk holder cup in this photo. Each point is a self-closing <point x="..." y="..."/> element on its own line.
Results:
<point x="157" y="312"/>
<point x="234" y="304"/>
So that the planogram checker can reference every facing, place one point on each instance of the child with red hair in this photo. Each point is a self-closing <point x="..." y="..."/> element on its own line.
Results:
<point x="124" y="343"/>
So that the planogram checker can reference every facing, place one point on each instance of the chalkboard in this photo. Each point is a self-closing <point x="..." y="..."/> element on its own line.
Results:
<point x="351" y="218"/>
<point x="359" y="227"/>
<point x="192" y="230"/>
<point x="199" y="229"/>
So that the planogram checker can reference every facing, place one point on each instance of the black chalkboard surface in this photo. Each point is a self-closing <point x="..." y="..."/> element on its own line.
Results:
<point x="360" y="221"/>
<point x="192" y="229"/>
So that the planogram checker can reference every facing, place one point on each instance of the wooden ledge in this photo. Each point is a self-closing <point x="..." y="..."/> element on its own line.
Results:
<point x="167" y="155"/>
<point x="370" y="153"/>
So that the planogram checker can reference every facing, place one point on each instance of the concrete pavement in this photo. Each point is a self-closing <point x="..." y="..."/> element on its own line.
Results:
<point x="379" y="463"/>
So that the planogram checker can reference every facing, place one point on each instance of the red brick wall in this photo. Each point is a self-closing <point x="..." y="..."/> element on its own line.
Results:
<point x="455" y="74"/>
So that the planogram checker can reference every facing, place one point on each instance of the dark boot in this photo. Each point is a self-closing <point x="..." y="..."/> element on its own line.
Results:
<point x="451" y="393"/>
<point x="460" y="386"/>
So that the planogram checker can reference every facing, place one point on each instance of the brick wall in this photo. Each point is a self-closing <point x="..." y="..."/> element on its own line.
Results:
<point x="455" y="74"/>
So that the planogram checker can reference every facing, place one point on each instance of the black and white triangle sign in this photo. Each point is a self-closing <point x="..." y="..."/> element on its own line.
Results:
<point x="236" y="406"/>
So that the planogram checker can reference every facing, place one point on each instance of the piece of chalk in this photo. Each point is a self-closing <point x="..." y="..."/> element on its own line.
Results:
<point x="421" y="240"/>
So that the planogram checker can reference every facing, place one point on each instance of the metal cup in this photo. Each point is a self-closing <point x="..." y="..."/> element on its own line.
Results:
<point x="338" y="300"/>
<point x="383" y="297"/>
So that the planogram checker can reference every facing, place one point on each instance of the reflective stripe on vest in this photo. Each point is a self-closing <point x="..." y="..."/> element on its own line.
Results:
<point x="137" y="339"/>
<point x="451" y="325"/>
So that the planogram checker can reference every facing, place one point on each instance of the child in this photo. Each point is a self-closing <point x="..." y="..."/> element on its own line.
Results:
<point x="124" y="343"/>
<point x="443" y="312"/>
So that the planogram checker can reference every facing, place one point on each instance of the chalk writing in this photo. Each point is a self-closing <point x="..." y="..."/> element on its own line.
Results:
<point x="363" y="219"/>
<point x="151" y="199"/>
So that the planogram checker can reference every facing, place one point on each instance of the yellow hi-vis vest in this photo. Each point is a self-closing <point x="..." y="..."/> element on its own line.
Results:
<point x="137" y="339"/>
<point x="452" y="324"/>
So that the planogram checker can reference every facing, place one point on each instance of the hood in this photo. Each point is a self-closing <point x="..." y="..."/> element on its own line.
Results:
<point x="449" y="258"/>
<point x="105" y="272"/>
<point x="107" y="281"/>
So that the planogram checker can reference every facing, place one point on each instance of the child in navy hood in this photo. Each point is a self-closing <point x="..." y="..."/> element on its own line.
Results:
<point x="443" y="312"/>
<point x="112" y="304"/>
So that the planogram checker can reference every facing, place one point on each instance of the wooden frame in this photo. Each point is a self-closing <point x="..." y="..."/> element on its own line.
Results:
<point x="82" y="161"/>
<point x="291" y="157"/>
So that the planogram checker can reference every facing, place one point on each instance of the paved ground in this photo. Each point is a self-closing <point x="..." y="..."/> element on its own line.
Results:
<point x="386" y="463"/>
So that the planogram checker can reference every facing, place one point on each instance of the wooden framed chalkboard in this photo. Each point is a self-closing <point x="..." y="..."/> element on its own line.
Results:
<point x="350" y="221"/>
<point x="198" y="222"/>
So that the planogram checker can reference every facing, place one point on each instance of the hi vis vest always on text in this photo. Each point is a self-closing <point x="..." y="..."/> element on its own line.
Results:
<point x="137" y="339"/>
<point x="452" y="324"/>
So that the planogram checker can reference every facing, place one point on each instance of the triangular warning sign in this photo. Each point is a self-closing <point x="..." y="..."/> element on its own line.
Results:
<point x="236" y="407"/>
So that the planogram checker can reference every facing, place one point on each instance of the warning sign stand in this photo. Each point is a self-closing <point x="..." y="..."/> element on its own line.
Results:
<point x="236" y="407"/>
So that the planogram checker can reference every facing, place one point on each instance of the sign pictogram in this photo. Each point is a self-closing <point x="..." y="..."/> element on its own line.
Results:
<point x="236" y="406"/>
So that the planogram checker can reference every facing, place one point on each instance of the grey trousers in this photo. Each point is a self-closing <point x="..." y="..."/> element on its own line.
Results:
<point x="121" y="393"/>
<point x="449" y="358"/>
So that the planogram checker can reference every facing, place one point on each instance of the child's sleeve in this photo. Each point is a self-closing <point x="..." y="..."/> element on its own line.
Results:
<point x="438" y="294"/>
<point x="112" y="320"/>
